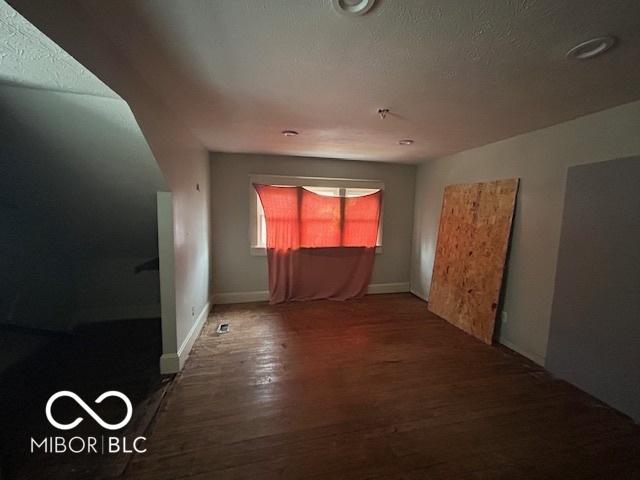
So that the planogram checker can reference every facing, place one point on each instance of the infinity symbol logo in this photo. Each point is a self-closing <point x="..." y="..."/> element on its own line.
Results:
<point x="87" y="408"/>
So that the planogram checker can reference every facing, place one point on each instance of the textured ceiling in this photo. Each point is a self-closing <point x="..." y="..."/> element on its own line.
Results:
<point x="29" y="58"/>
<point x="64" y="137"/>
<point x="455" y="74"/>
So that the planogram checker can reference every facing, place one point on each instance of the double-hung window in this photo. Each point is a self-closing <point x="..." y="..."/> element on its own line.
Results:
<point x="332" y="187"/>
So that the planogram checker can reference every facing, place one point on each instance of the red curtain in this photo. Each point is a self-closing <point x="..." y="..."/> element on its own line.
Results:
<point x="318" y="246"/>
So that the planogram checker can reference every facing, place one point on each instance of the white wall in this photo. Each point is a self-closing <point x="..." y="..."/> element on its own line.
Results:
<point x="185" y="164"/>
<point x="540" y="159"/>
<point x="188" y="176"/>
<point x="235" y="270"/>
<point x="181" y="157"/>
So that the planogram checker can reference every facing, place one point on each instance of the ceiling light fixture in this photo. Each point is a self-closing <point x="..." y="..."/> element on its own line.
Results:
<point x="591" y="48"/>
<point x="289" y="133"/>
<point x="406" y="141"/>
<point x="353" y="7"/>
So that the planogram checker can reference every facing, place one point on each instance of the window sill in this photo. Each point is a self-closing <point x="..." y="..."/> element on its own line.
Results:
<point x="258" y="252"/>
<point x="262" y="251"/>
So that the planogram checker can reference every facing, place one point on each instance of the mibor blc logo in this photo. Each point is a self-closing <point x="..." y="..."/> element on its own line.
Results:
<point x="100" y="445"/>
<point x="89" y="410"/>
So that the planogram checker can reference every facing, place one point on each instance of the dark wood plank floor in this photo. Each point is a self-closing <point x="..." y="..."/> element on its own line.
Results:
<point x="375" y="388"/>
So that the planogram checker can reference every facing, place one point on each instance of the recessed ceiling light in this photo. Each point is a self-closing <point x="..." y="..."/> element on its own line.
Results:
<point x="591" y="48"/>
<point x="289" y="133"/>
<point x="406" y="141"/>
<point x="353" y="7"/>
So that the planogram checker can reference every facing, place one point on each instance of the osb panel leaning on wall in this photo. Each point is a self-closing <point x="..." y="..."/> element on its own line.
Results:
<point x="475" y="226"/>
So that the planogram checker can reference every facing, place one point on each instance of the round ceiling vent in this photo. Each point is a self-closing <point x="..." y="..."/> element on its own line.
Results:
<point x="353" y="7"/>
<point x="591" y="48"/>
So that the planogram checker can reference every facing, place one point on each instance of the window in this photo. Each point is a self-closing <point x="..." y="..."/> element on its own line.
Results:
<point x="322" y="186"/>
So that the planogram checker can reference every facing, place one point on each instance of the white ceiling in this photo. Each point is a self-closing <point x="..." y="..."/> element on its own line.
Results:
<point x="67" y="136"/>
<point x="29" y="58"/>
<point x="455" y="74"/>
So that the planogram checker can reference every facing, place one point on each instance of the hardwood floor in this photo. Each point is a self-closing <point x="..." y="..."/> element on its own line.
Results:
<point x="375" y="388"/>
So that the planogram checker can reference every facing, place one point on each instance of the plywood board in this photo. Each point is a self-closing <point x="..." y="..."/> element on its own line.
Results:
<point x="473" y="239"/>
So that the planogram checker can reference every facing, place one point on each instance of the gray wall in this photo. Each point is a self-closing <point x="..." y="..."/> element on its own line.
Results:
<point x="182" y="159"/>
<point x="78" y="188"/>
<point x="594" y="341"/>
<point x="37" y="281"/>
<point x="235" y="270"/>
<point x="78" y="162"/>
<point x="540" y="159"/>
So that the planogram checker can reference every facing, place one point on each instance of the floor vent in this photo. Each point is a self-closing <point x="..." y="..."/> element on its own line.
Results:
<point x="223" y="328"/>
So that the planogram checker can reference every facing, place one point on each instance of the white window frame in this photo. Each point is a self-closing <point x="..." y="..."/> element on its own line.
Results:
<point x="291" y="181"/>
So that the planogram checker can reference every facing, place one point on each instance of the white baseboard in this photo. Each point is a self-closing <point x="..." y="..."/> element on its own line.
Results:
<point x="376" y="288"/>
<point x="418" y="294"/>
<point x="173" y="362"/>
<point x="240" y="297"/>
<point x="169" y="363"/>
<point x="531" y="356"/>
<point x="263" y="295"/>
